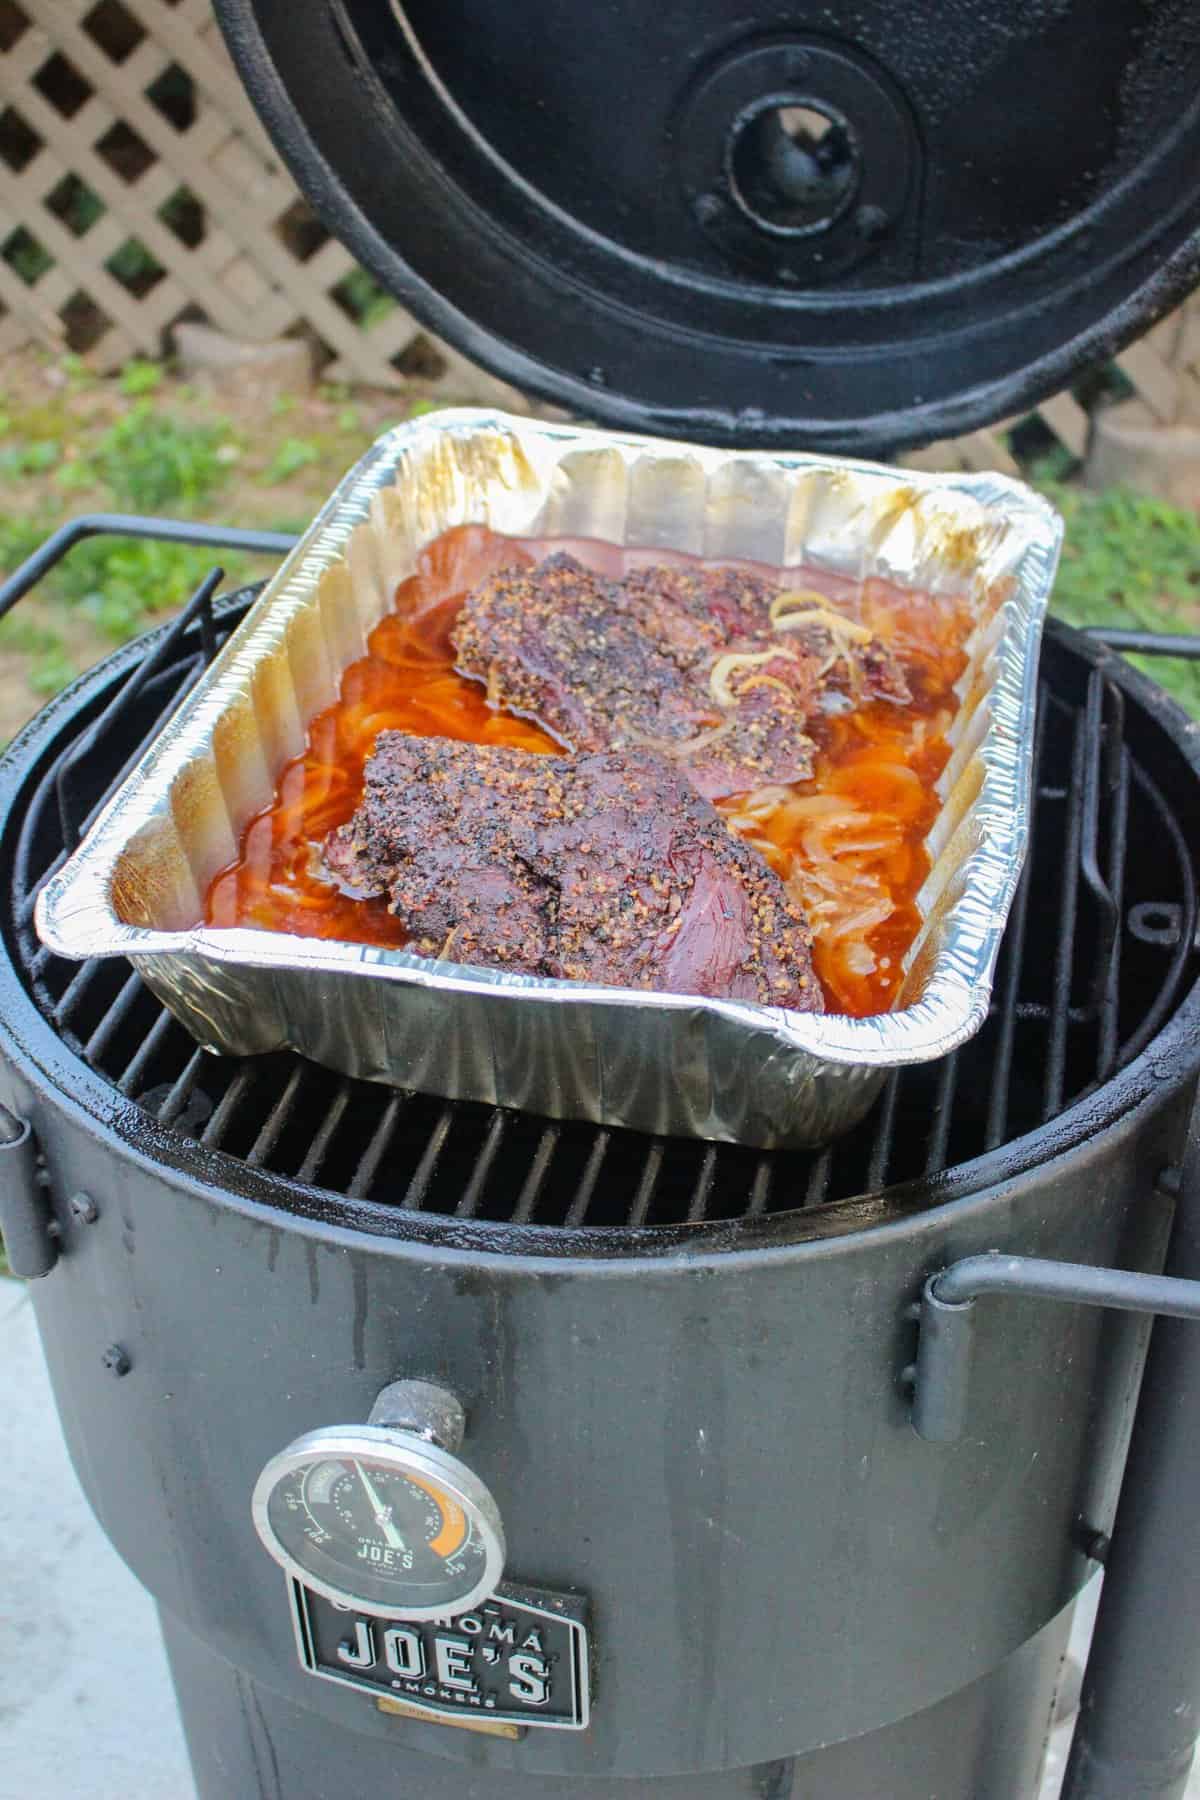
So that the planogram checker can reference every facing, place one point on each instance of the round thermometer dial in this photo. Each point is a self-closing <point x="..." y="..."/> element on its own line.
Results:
<point x="380" y="1520"/>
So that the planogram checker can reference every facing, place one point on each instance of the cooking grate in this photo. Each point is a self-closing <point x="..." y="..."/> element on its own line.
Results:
<point x="1096" y="953"/>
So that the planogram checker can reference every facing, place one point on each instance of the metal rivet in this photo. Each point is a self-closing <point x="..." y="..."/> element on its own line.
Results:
<point x="872" y="222"/>
<point x="84" y="1209"/>
<point x="1095" y="1544"/>
<point x="1156" y="922"/>
<point x="116" y="1360"/>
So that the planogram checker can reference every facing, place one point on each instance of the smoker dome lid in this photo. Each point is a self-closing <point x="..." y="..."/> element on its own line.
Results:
<point x="858" y="228"/>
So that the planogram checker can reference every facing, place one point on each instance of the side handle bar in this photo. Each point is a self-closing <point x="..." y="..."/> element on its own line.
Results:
<point x="949" y="1308"/>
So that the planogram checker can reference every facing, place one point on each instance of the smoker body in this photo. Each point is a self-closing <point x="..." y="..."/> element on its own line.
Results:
<point x="701" y="1426"/>
<point x="712" y="1445"/>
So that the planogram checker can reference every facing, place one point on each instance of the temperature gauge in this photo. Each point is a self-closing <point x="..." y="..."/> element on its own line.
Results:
<point x="384" y="1517"/>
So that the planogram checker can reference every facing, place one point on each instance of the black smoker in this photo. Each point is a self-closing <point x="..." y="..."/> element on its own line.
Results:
<point x="827" y="1483"/>
<point x="685" y="1368"/>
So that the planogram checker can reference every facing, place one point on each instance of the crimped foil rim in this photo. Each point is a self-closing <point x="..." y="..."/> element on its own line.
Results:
<point x="74" y="914"/>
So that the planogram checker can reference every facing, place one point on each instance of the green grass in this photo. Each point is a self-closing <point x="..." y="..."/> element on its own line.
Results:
<point x="118" y="582"/>
<point x="363" y="298"/>
<point x="292" y="455"/>
<point x="147" y="460"/>
<point x="117" y="585"/>
<point x="1131" y="562"/>
<point x="140" y="377"/>
<point x="144" y="442"/>
<point x="29" y="459"/>
<point x="50" y="667"/>
<point x="22" y="532"/>
<point x="151" y="462"/>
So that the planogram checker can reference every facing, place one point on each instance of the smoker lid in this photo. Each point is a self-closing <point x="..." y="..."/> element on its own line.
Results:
<point x="855" y="227"/>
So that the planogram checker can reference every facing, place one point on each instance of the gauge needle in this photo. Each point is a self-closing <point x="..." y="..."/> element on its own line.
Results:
<point x="383" y="1514"/>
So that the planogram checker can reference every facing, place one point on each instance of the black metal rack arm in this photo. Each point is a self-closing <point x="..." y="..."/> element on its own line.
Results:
<point x="1147" y="643"/>
<point x="134" y="525"/>
<point x="73" y="820"/>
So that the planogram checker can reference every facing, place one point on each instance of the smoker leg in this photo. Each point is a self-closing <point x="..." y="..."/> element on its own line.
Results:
<point x="984" y="1743"/>
<point x="1140" y="1708"/>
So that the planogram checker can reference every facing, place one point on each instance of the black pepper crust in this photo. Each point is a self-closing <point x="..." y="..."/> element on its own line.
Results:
<point x="606" y="867"/>
<point x="605" y="665"/>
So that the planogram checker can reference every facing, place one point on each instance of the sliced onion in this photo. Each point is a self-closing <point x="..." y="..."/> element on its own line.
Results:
<point x="726" y="665"/>
<point x="859" y="958"/>
<point x="807" y="806"/>
<point x="791" y="598"/>
<point x="836" y="624"/>
<point x="763" y="801"/>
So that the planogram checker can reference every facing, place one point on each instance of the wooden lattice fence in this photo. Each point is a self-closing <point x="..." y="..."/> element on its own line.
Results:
<point x="137" y="189"/>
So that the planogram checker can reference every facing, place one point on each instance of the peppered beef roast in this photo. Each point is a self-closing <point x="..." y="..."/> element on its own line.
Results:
<point x="711" y="667"/>
<point x="672" y="687"/>
<point x="605" y="867"/>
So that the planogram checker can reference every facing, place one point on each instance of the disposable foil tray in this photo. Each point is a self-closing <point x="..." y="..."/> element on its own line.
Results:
<point x="717" y="1069"/>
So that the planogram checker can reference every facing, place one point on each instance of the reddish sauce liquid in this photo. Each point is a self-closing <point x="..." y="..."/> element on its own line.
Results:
<point x="850" y="842"/>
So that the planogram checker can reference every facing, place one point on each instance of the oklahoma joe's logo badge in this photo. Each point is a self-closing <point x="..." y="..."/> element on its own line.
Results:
<point x="394" y="1551"/>
<point x="519" y="1658"/>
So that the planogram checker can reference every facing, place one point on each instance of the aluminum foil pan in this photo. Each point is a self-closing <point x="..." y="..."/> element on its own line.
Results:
<point x="659" y="1062"/>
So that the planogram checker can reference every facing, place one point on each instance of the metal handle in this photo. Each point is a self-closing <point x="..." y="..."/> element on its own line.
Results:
<point x="26" y="1223"/>
<point x="1140" y="1704"/>
<point x="1146" y="643"/>
<point x="133" y="525"/>
<point x="941" y="1374"/>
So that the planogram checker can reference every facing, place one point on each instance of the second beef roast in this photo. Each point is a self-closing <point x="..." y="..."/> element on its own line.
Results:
<point x="607" y="868"/>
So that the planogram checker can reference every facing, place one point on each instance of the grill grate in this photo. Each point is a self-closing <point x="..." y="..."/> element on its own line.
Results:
<point x="1097" y="950"/>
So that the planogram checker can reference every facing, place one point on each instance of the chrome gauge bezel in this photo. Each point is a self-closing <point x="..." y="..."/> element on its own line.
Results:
<point x="406" y="1454"/>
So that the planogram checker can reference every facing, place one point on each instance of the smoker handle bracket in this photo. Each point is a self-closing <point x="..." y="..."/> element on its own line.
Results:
<point x="948" y="1310"/>
<point x="28" y="1227"/>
